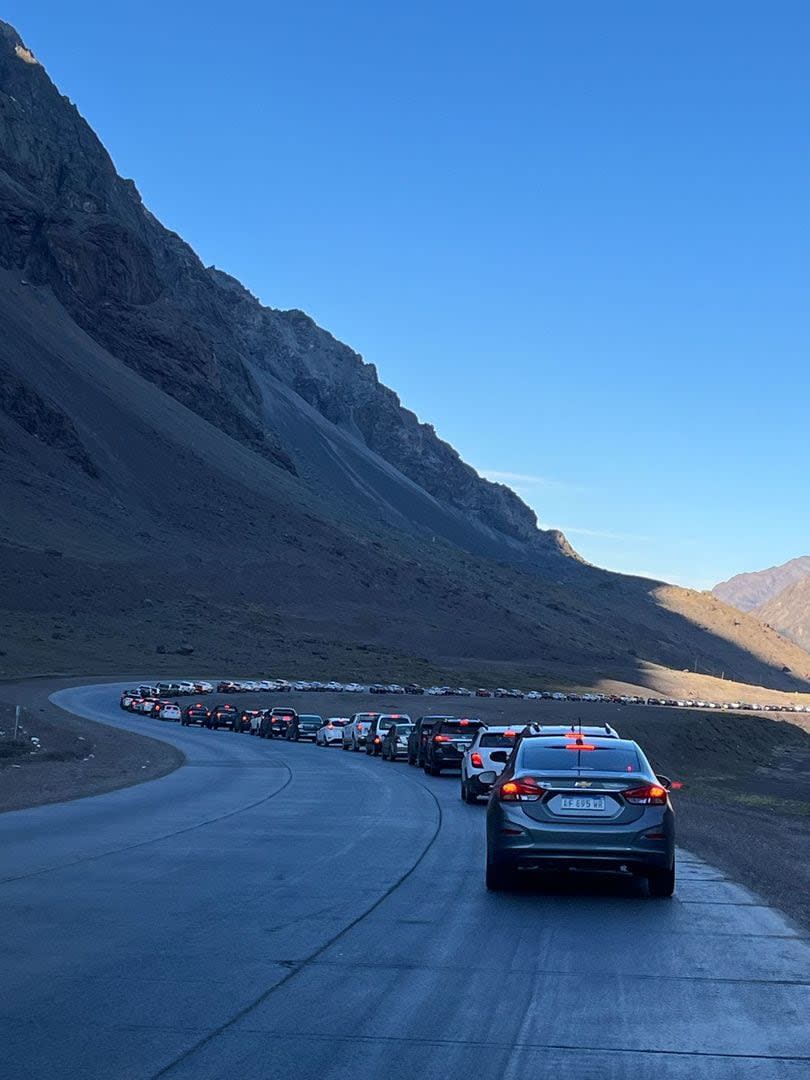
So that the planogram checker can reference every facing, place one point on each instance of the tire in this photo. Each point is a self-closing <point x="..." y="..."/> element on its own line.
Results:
<point x="498" y="878"/>
<point x="431" y="770"/>
<point x="661" y="883"/>
<point x="467" y="795"/>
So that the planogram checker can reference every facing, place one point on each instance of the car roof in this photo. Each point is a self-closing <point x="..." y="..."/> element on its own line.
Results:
<point x="601" y="742"/>
<point x="596" y="731"/>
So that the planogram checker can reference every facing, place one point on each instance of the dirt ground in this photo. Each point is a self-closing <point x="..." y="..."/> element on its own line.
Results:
<point x="62" y="757"/>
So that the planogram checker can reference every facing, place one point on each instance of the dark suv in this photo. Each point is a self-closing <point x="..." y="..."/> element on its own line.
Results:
<point x="418" y="737"/>
<point x="447" y="744"/>
<point x="195" y="714"/>
<point x="275" y="723"/>
<point x="222" y="716"/>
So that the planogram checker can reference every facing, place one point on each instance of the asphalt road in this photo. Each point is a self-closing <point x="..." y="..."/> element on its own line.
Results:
<point x="278" y="910"/>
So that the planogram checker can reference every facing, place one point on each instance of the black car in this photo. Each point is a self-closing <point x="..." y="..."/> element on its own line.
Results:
<point x="275" y="723"/>
<point x="447" y="743"/>
<point x="227" y="686"/>
<point x="245" y="717"/>
<point x="418" y="737"/>
<point x="222" y="716"/>
<point x="379" y="725"/>
<point x="304" y="726"/>
<point x="195" y="714"/>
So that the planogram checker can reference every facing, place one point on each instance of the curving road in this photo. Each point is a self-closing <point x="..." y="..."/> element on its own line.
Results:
<point x="272" y="910"/>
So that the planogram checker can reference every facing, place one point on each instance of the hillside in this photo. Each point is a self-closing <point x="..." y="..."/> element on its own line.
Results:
<point x="184" y="469"/>
<point x="789" y="612"/>
<point x="749" y="591"/>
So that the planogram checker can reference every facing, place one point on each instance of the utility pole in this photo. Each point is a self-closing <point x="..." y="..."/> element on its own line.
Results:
<point x="17" y="712"/>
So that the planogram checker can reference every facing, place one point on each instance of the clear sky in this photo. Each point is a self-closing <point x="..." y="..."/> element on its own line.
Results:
<point x="572" y="235"/>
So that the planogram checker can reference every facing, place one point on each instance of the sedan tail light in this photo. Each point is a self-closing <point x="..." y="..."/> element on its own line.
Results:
<point x="442" y="738"/>
<point x="526" y="789"/>
<point x="476" y="760"/>
<point x="648" y="795"/>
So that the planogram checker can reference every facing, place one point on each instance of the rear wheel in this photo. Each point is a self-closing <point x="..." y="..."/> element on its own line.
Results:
<point x="499" y="878"/>
<point x="467" y="794"/>
<point x="661" y="883"/>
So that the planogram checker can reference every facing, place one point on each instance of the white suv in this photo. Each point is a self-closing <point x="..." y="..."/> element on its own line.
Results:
<point x="477" y="759"/>
<point x="354" y="734"/>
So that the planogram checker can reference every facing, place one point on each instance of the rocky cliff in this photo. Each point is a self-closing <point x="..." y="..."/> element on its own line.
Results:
<point x="70" y="222"/>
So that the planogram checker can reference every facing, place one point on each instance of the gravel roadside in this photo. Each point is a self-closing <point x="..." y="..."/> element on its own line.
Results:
<point x="65" y="757"/>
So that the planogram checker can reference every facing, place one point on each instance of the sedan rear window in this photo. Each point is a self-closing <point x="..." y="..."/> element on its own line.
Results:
<point x="547" y="758"/>
<point x="497" y="738"/>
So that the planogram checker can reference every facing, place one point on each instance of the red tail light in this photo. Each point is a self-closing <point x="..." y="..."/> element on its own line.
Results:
<point x="526" y="789"/>
<point x="377" y="739"/>
<point x="476" y="760"/>
<point x="648" y="795"/>
<point x="579" y="746"/>
<point x="442" y="738"/>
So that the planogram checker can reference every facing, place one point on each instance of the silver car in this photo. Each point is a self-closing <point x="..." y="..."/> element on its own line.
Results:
<point x="579" y="803"/>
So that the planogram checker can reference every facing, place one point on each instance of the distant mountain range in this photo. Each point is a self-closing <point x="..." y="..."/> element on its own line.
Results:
<point x="779" y="596"/>
<point x="185" y="470"/>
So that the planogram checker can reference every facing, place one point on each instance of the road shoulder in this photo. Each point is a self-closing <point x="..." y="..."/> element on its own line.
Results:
<point x="67" y="757"/>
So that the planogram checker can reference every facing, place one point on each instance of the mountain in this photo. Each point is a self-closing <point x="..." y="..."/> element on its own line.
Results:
<point x="749" y="591"/>
<point x="185" y="470"/>
<point x="789" y="612"/>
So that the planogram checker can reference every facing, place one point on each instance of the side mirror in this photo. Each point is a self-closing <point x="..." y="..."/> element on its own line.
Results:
<point x="487" y="779"/>
<point x="501" y="756"/>
<point x="665" y="782"/>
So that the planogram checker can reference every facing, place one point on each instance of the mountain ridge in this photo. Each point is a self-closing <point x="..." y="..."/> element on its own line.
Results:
<point x="751" y="590"/>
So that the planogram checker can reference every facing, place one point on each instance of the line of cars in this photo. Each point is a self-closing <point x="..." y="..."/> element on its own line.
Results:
<point x="237" y="686"/>
<point x="559" y="798"/>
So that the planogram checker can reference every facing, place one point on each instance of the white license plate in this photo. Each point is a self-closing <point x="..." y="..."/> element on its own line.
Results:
<point x="582" y="802"/>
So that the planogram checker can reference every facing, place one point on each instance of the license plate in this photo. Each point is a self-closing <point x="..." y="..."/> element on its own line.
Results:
<point x="582" y="802"/>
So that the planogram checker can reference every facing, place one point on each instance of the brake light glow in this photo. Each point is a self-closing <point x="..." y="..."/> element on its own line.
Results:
<point x="648" y="795"/>
<point x="377" y="739"/>
<point x="580" y="746"/>
<point x="476" y="760"/>
<point x="442" y="738"/>
<point x="526" y="789"/>
<point x="509" y="734"/>
<point x="463" y="723"/>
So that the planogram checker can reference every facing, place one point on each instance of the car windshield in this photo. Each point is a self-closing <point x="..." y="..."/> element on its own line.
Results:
<point x="338" y="721"/>
<point x="497" y="738"/>
<point x="544" y="758"/>
<point x="404" y="729"/>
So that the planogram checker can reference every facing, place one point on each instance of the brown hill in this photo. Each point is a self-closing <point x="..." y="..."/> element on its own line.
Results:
<point x="789" y="612"/>
<point x="750" y="591"/>
<point x="184" y="469"/>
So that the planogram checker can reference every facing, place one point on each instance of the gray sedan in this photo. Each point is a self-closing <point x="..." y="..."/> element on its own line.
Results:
<point x="580" y="803"/>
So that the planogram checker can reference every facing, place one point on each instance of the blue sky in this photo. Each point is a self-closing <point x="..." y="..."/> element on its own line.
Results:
<point x="573" y="236"/>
